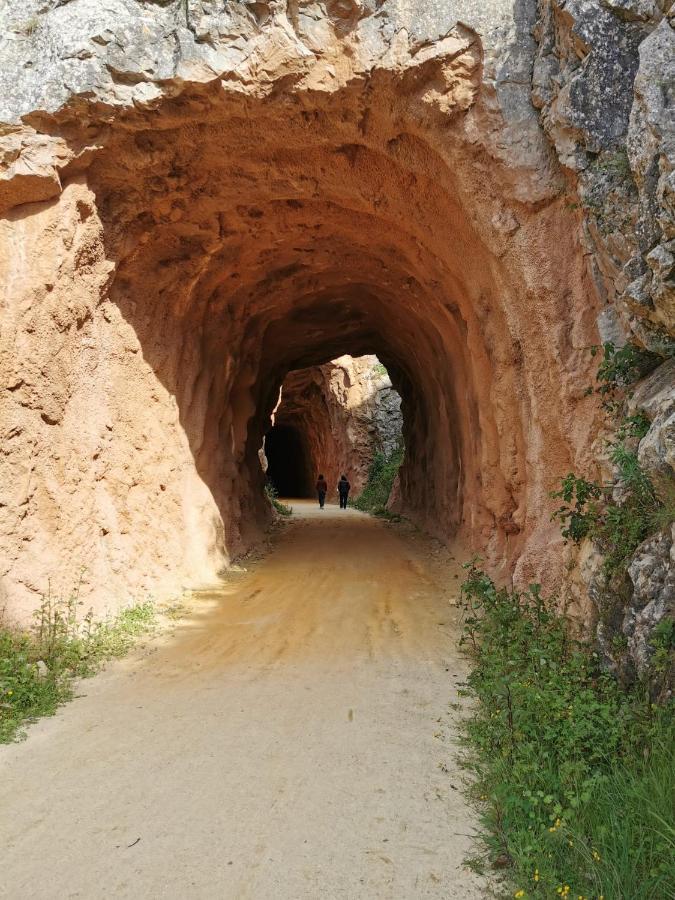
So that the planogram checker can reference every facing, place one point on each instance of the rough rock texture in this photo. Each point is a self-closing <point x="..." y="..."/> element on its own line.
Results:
<point x="604" y="79"/>
<point x="652" y="573"/>
<point x="203" y="196"/>
<point x="655" y="398"/>
<point x="343" y="413"/>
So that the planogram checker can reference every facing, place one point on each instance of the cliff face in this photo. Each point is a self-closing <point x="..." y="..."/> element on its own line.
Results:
<point x="200" y="197"/>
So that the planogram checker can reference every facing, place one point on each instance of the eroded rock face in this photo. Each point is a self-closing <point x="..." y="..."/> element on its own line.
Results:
<point x="655" y="398"/>
<point x="652" y="573"/>
<point x="203" y="197"/>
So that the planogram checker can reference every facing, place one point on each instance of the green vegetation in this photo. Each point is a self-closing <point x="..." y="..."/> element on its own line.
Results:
<point x="37" y="668"/>
<point x="574" y="777"/>
<point x="617" y="526"/>
<point x="383" y="470"/>
<point x="273" y="496"/>
<point x="619" y="515"/>
<point x="614" y="163"/>
<point x="380" y="369"/>
<point x="619" y="368"/>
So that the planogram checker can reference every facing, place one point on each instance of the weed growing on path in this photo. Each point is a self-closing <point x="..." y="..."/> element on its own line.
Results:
<point x="37" y="668"/>
<point x="574" y="777"/>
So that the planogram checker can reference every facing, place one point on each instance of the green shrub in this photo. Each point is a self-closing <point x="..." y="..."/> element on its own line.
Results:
<point x="383" y="470"/>
<point x="37" y="668"/>
<point x="620" y="368"/>
<point x="618" y="527"/>
<point x="574" y="776"/>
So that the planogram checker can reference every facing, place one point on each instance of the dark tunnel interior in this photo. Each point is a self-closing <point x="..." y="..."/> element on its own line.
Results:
<point x="288" y="464"/>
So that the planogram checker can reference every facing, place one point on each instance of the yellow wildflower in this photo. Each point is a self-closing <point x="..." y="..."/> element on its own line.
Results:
<point x="519" y="894"/>
<point x="536" y="875"/>
<point x="596" y="855"/>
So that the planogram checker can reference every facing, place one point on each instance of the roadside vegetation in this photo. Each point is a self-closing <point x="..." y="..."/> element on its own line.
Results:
<point x="38" y="668"/>
<point x="273" y="496"/>
<point x="574" y="776"/>
<point x="383" y="470"/>
<point x="574" y="768"/>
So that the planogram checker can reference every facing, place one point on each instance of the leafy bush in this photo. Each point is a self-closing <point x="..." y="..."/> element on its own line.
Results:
<point x="37" y="668"/>
<point x="574" y="776"/>
<point x="383" y="471"/>
<point x="618" y="527"/>
<point x="620" y="368"/>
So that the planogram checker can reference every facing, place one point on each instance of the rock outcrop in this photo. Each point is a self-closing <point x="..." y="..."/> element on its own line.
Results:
<point x="201" y="197"/>
<point x="604" y="78"/>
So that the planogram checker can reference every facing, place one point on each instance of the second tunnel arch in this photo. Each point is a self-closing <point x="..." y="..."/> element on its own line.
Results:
<point x="289" y="468"/>
<point x="339" y="416"/>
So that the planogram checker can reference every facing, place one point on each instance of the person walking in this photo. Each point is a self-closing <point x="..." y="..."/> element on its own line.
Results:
<point x="321" y="488"/>
<point x="343" y="491"/>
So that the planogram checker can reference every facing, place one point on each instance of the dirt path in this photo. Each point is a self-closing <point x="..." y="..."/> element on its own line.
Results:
<point x="290" y="739"/>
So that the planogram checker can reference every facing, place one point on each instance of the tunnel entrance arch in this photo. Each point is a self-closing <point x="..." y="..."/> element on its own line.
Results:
<point x="212" y="241"/>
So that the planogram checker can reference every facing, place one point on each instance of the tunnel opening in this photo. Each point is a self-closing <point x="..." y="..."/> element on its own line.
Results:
<point x="288" y="465"/>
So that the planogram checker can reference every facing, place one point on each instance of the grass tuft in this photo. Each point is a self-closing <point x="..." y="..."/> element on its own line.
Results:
<point x="273" y="497"/>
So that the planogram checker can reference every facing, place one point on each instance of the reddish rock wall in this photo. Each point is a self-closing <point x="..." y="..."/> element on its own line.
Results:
<point x="206" y="242"/>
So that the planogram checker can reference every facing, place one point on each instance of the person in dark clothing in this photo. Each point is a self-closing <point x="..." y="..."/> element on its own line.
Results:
<point x="321" y="488"/>
<point x="343" y="491"/>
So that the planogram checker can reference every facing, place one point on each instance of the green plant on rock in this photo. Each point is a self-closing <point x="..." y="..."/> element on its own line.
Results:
<point x="579" y="512"/>
<point x="383" y="470"/>
<point x="617" y="526"/>
<point x="623" y="366"/>
<point x="573" y="775"/>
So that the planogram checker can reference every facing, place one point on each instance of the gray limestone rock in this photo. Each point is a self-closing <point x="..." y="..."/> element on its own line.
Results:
<point x="652" y="573"/>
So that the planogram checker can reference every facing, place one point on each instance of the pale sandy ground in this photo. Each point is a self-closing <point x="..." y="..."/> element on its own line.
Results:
<point x="289" y="739"/>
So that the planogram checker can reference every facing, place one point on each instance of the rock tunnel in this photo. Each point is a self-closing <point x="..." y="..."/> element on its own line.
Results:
<point x="208" y="243"/>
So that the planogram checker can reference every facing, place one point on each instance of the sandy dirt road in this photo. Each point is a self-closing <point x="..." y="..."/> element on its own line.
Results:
<point x="289" y="739"/>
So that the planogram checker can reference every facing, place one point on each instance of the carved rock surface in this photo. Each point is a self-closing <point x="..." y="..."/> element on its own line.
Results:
<point x="202" y="197"/>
